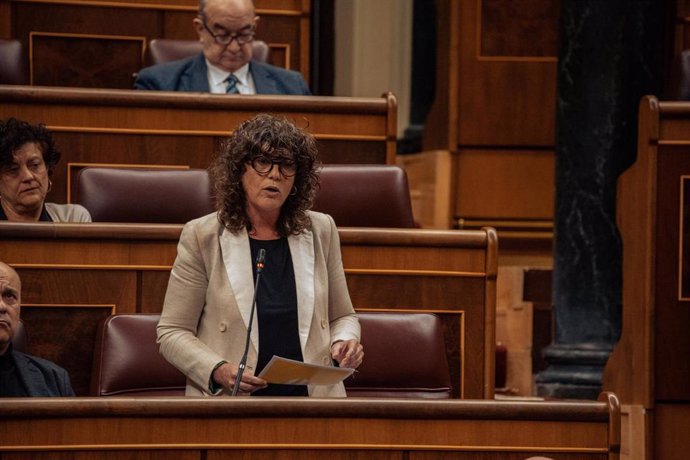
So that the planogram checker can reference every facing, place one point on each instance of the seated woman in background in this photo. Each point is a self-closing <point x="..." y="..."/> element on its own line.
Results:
<point x="27" y="160"/>
<point x="265" y="180"/>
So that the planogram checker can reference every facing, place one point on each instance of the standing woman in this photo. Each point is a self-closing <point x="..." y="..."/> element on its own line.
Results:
<point x="27" y="160"/>
<point x="265" y="180"/>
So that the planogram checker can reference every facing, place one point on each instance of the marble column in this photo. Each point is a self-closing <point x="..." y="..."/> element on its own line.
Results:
<point x="609" y="57"/>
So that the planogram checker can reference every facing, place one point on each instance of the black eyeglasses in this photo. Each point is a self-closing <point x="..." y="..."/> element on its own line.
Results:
<point x="225" y="39"/>
<point x="264" y="165"/>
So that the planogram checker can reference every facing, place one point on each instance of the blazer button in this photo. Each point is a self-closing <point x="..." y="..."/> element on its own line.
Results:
<point x="327" y="360"/>
<point x="323" y="324"/>
<point x="223" y="327"/>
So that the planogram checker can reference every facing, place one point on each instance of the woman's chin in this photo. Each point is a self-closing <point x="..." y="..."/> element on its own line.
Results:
<point x="29" y="205"/>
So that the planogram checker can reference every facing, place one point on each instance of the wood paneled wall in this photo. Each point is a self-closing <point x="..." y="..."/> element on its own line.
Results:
<point x="100" y="44"/>
<point x="495" y="111"/>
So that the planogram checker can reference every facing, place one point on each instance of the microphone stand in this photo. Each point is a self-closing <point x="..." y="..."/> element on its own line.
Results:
<point x="243" y="362"/>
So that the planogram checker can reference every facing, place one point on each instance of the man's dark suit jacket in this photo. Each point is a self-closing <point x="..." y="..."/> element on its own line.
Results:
<point x="41" y="377"/>
<point x="190" y="74"/>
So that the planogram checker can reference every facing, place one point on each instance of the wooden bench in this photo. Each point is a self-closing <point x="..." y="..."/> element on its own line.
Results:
<point x="167" y="129"/>
<point x="73" y="275"/>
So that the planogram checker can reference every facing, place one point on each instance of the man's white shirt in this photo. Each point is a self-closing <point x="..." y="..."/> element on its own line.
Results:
<point x="217" y="77"/>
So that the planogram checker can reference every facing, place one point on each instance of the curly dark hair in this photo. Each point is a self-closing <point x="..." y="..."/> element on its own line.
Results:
<point x="15" y="133"/>
<point x="271" y="136"/>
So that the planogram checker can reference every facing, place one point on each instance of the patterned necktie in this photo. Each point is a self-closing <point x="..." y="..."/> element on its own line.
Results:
<point x="232" y="85"/>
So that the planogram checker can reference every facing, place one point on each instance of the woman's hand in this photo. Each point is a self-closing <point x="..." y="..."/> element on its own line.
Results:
<point x="348" y="353"/>
<point x="226" y="374"/>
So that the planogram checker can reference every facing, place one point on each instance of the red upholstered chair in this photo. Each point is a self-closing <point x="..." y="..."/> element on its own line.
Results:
<point x="20" y="340"/>
<point x="365" y="196"/>
<point x="126" y="361"/>
<point x="13" y="67"/>
<point x="260" y="51"/>
<point x="166" y="196"/>
<point x="355" y="195"/>
<point x="162" y="50"/>
<point x="404" y="357"/>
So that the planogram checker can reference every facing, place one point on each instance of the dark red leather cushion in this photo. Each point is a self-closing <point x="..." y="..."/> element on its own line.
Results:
<point x="13" y="65"/>
<point x="126" y="361"/>
<point x="404" y="357"/>
<point x="163" y="196"/>
<point x="365" y="196"/>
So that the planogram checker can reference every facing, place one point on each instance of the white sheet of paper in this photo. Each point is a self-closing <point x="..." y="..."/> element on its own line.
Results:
<point x="291" y="372"/>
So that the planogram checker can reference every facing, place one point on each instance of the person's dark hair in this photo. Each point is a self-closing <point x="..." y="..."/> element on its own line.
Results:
<point x="15" y="133"/>
<point x="273" y="137"/>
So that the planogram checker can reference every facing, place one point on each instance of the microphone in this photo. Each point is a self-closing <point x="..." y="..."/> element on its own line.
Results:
<point x="260" y="258"/>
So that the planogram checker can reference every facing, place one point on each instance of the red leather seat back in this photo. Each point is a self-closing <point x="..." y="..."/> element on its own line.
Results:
<point x="163" y="196"/>
<point x="404" y="357"/>
<point x="365" y="196"/>
<point x="20" y="340"/>
<point x="162" y="50"/>
<point x="13" y="65"/>
<point x="126" y="361"/>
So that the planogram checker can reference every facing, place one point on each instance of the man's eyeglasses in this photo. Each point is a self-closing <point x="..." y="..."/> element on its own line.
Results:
<point x="225" y="39"/>
<point x="264" y="165"/>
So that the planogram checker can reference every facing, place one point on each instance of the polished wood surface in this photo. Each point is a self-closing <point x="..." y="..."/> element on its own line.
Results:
<point x="649" y="366"/>
<point x="101" y="43"/>
<point x="185" y="129"/>
<point x="138" y="428"/>
<point x="81" y="271"/>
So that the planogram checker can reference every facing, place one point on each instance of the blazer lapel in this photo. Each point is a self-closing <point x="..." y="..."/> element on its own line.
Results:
<point x="237" y="258"/>
<point x="32" y="377"/>
<point x="302" y="253"/>
<point x="195" y="77"/>
<point x="263" y="79"/>
<point x="238" y="263"/>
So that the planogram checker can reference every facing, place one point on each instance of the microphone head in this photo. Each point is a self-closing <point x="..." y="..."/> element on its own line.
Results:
<point x="260" y="258"/>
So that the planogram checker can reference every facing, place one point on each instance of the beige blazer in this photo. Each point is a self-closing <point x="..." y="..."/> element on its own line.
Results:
<point x="208" y="301"/>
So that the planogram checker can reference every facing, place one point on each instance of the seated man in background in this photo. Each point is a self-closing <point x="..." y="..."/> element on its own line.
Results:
<point x="226" y="30"/>
<point x="27" y="160"/>
<point x="22" y="374"/>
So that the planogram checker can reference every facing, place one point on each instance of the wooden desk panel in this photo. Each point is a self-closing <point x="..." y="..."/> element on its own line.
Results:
<point x="185" y="129"/>
<point x="301" y="428"/>
<point x="451" y="273"/>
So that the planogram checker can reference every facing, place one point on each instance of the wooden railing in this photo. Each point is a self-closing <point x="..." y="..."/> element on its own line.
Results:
<point x="213" y="428"/>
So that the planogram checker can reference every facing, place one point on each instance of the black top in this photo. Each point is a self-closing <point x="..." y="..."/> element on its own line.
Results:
<point x="276" y="306"/>
<point x="11" y="384"/>
<point x="45" y="217"/>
